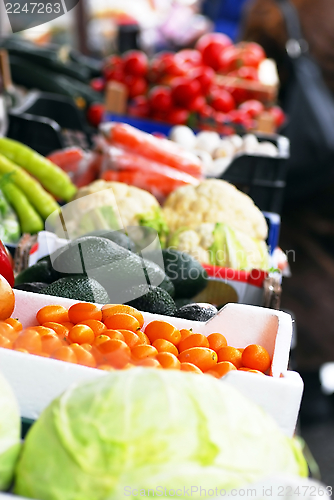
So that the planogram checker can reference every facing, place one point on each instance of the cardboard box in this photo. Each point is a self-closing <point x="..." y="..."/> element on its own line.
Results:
<point x="36" y="381"/>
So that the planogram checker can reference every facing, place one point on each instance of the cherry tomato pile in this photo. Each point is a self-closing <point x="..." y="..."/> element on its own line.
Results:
<point x="182" y="88"/>
<point x="114" y="338"/>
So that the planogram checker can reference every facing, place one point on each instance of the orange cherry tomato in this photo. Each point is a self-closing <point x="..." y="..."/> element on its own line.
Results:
<point x="30" y="340"/>
<point x="106" y="368"/>
<point x="113" y="334"/>
<point x="185" y="333"/>
<point x="217" y="341"/>
<point x="163" y="345"/>
<point x="82" y="311"/>
<point x="122" y="321"/>
<point x="143" y="351"/>
<point x="256" y="357"/>
<point x="84" y="357"/>
<point x="15" y="323"/>
<point x="68" y="325"/>
<point x="100" y="339"/>
<point x="168" y="361"/>
<point x="230" y="354"/>
<point x="8" y="331"/>
<point x="149" y="363"/>
<point x="97" y="326"/>
<point x="19" y="349"/>
<point x="43" y="330"/>
<point x="98" y="356"/>
<point x="109" y="310"/>
<point x="203" y="357"/>
<point x="50" y="343"/>
<point x="190" y="367"/>
<point x="194" y="340"/>
<point x="143" y="338"/>
<point x="128" y="366"/>
<point x="162" y="330"/>
<point x="222" y="368"/>
<point x="60" y="329"/>
<point x="58" y="314"/>
<point x="244" y="369"/>
<point x="81" y="334"/>
<point x="116" y="352"/>
<point x="65" y="353"/>
<point x="5" y="342"/>
<point x="7" y="302"/>
<point x="241" y="349"/>
<point x="130" y="338"/>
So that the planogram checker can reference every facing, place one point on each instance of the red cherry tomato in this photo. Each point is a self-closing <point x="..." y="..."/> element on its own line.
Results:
<point x="205" y="76"/>
<point x="139" y="107"/>
<point x="211" y="46"/>
<point x="177" y="116"/>
<point x="207" y="112"/>
<point x="184" y="91"/>
<point x="242" y="54"/>
<point x="160" y="98"/>
<point x="116" y="74"/>
<point x="222" y="101"/>
<point x="136" y="85"/>
<point x="98" y="84"/>
<point x="95" y="114"/>
<point x="189" y="57"/>
<point x="278" y="115"/>
<point x="135" y="63"/>
<point x="197" y="104"/>
<point x="240" y="117"/>
<point x="164" y="64"/>
<point x="245" y="73"/>
<point x="113" y="68"/>
<point x="252" y="107"/>
<point x="252" y="53"/>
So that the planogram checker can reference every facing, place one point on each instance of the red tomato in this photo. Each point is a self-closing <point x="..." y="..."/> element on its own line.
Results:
<point x="207" y="112"/>
<point x="189" y="57"/>
<point x="177" y="116"/>
<point x="205" y="76"/>
<point x="184" y="91"/>
<point x="197" y="104"/>
<point x="239" y="94"/>
<point x="159" y="116"/>
<point x="135" y="63"/>
<point x="116" y="74"/>
<point x="252" y="107"/>
<point x="136" y="85"/>
<point x="95" y="114"/>
<point x="222" y="101"/>
<point x="278" y="115"/>
<point x="211" y="46"/>
<point x="160" y="98"/>
<point x="139" y="107"/>
<point x="112" y="64"/>
<point x="6" y="269"/>
<point x="165" y="63"/>
<point x="98" y="84"/>
<point x="242" y="54"/>
<point x="241" y="117"/>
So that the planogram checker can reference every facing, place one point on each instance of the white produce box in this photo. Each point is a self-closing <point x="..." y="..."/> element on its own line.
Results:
<point x="36" y="381"/>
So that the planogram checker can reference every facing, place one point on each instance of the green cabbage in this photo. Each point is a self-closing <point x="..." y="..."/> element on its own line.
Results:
<point x="10" y="434"/>
<point x="145" y="429"/>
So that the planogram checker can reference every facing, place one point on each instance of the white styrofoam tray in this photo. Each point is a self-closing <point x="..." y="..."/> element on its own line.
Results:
<point x="36" y="381"/>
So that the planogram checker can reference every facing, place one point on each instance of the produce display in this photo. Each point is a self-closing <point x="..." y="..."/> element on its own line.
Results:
<point x="216" y="85"/>
<point x="29" y="183"/>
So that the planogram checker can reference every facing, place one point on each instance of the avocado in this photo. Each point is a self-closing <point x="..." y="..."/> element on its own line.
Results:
<point x="187" y="275"/>
<point x="182" y="302"/>
<point x="78" y="287"/>
<point x="197" y="312"/>
<point x="35" y="287"/>
<point x="114" y="267"/>
<point x="152" y="299"/>
<point x="42" y="271"/>
<point x="119" y="237"/>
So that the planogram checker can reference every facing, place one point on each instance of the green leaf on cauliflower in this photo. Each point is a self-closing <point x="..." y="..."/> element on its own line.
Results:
<point x="226" y="250"/>
<point x="155" y="220"/>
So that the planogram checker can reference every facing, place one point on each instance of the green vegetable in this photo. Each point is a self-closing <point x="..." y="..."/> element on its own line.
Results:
<point x="30" y="221"/>
<point x="78" y="288"/>
<point x="9" y="225"/>
<point x="186" y="273"/>
<point x="42" y="272"/>
<point x="42" y="201"/>
<point x="155" y="220"/>
<point x="152" y="299"/>
<point x="10" y="434"/>
<point x="226" y="250"/>
<point x="53" y="178"/>
<point x="143" y="428"/>
<point x="197" y="312"/>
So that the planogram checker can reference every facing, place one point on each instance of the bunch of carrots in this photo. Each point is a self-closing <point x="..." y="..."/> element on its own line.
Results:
<point x="114" y="337"/>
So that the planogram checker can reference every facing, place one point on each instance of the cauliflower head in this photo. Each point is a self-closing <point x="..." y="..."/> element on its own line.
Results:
<point x="219" y="244"/>
<point x="214" y="200"/>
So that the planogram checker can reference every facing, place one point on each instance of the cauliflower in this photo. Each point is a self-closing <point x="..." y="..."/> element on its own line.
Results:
<point x="214" y="200"/>
<point x="112" y="205"/>
<point x="218" y="244"/>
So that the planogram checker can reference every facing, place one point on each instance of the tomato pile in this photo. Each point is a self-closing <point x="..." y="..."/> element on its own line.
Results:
<point x="112" y="337"/>
<point x="182" y="87"/>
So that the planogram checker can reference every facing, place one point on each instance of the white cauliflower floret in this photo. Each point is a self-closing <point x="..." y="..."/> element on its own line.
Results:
<point x="214" y="200"/>
<point x="128" y="201"/>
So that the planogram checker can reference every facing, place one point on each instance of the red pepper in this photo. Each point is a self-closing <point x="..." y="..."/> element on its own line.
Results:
<point x="5" y="265"/>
